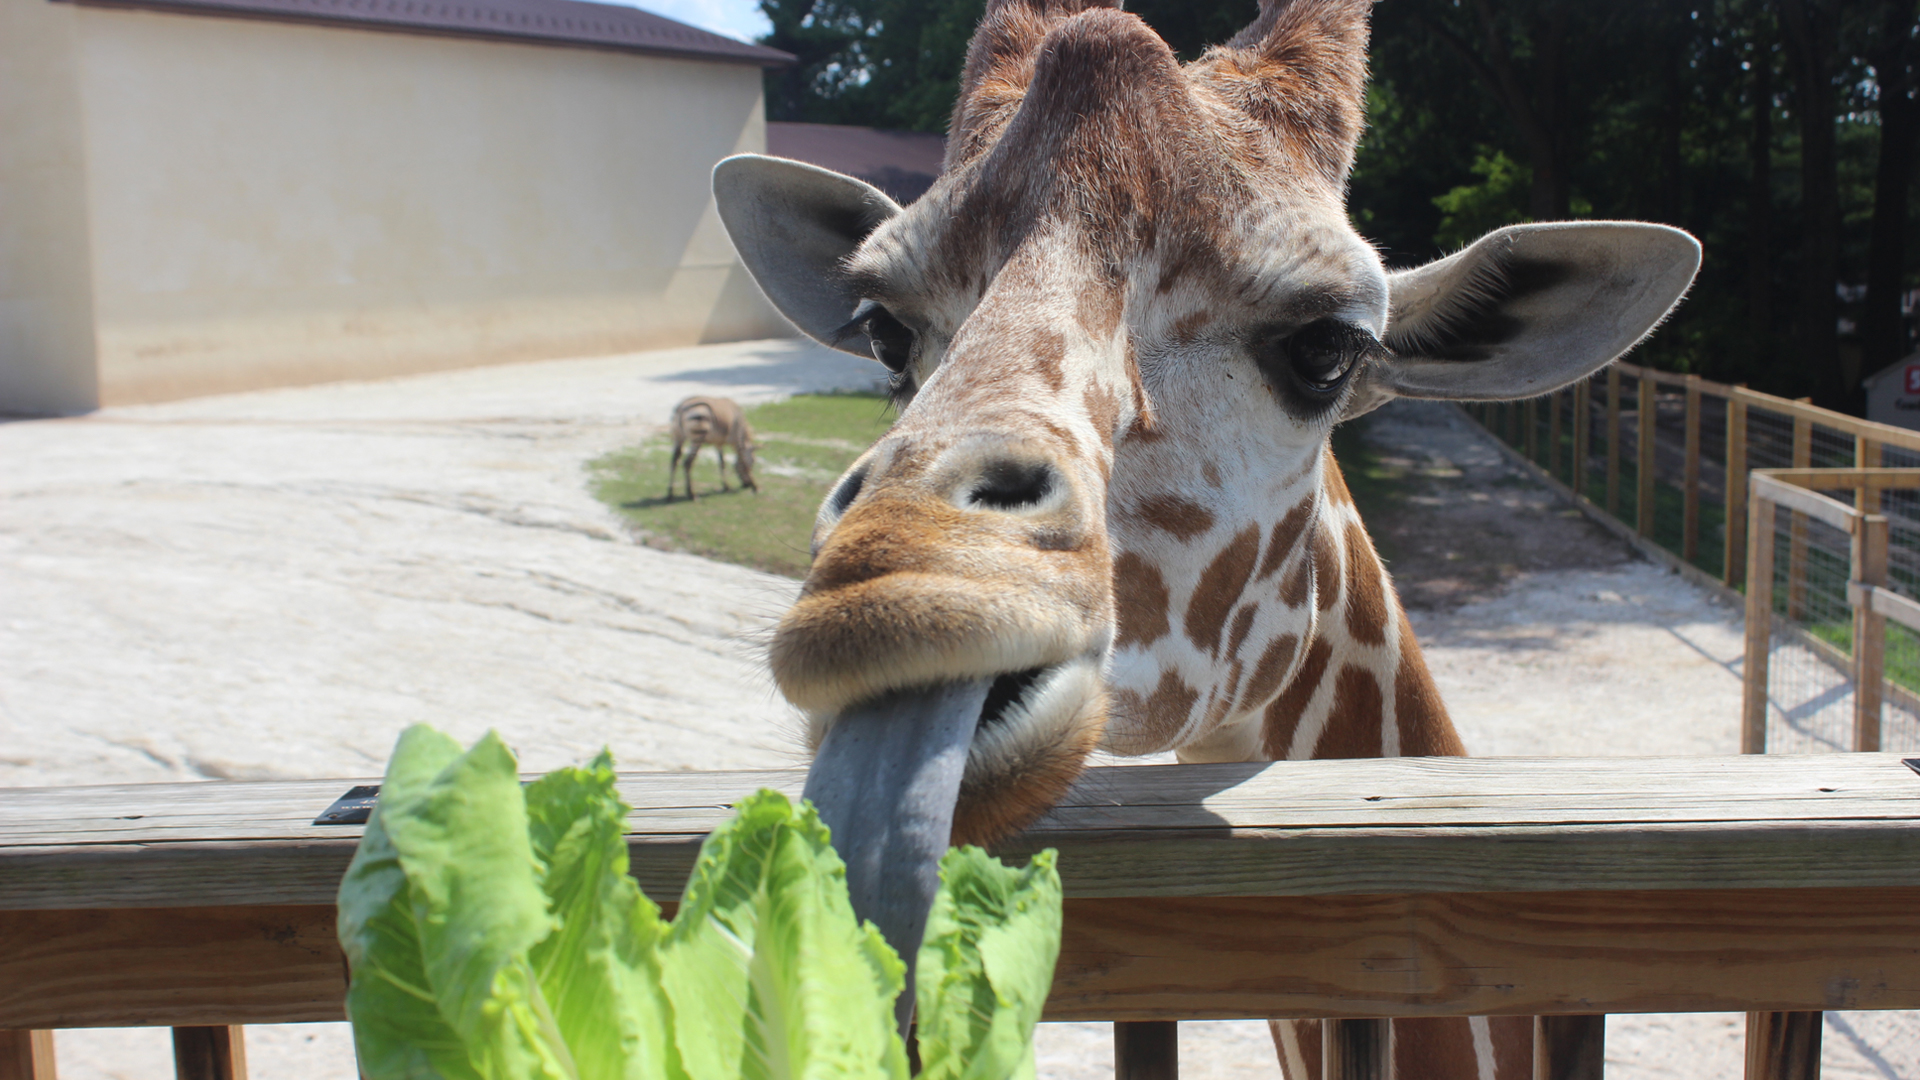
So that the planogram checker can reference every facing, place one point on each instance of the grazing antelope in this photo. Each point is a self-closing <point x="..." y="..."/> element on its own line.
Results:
<point x="717" y="422"/>
<point x="1121" y="327"/>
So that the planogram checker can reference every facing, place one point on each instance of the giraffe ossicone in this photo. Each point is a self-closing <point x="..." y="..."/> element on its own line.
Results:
<point x="1121" y="327"/>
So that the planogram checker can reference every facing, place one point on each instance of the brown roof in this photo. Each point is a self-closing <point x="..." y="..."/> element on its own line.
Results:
<point x="559" y="22"/>
<point x="903" y="164"/>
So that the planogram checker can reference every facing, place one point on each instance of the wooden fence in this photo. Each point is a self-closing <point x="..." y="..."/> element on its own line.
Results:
<point x="1666" y="456"/>
<point x="1868" y="589"/>
<point x="1347" y="891"/>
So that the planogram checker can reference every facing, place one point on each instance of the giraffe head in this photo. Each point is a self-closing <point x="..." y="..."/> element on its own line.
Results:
<point x="1121" y="327"/>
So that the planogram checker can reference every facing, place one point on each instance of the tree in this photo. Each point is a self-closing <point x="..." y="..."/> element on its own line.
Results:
<point x="1892" y="49"/>
<point x="1808" y="31"/>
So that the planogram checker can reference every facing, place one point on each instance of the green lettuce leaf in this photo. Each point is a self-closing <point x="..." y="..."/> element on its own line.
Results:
<point x="598" y="969"/>
<point x="437" y="913"/>
<point x="495" y="934"/>
<point x="770" y="975"/>
<point x="985" y="966"/>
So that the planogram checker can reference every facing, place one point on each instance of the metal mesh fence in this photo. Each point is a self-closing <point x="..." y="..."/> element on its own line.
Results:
<point x="1589" y="437"/>
<point x="1810" y="686"/>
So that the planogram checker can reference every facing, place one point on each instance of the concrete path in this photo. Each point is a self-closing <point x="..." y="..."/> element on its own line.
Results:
<point x="274" y="584"/>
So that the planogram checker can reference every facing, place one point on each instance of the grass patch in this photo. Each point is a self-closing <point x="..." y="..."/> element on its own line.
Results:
<point x="806" y="442"/>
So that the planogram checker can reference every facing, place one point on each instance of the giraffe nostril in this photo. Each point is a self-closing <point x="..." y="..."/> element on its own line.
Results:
<point x="848" y="491"/>
<point x="1012" y="485"/>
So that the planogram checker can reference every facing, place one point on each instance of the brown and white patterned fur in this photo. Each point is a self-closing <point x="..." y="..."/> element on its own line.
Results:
<point x="717" y="422"/>
<point x="1105" y="491"/>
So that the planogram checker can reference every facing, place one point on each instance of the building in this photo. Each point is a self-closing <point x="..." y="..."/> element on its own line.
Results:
<point x="1893" y="393"/>
<point x="200" y="196"/>
<point x="904" y="164"/>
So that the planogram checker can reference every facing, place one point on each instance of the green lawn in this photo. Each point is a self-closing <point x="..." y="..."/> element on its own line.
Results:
<point x="806" y="442"/>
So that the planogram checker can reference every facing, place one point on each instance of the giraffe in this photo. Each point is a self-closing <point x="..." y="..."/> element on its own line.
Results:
<point x="1120" y="329"/>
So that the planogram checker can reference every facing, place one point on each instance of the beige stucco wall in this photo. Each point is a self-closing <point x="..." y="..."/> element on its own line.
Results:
<point x="271" y="203"/>
<point x="46" y="312"/>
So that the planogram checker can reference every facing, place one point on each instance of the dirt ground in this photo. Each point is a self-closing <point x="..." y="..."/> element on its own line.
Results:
<point x="274" y="584"/>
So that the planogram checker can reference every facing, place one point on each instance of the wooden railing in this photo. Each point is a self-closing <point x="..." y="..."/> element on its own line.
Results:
<point x="1588" y="438"/>
<point x="1348" y="891"/>
<point x="1867" y="589"/>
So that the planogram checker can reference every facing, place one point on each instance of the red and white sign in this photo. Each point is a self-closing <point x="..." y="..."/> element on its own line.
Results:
<point x="1911" y="377"/>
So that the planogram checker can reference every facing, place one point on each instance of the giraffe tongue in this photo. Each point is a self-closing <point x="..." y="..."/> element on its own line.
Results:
<point x="885" y="780"/>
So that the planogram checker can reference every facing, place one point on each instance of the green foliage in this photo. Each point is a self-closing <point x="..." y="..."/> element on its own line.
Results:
<point x="1642" y="109"/>
<point x="1473" y="209"/>
<point x="494" y="934"/>
<point x="806" y="441"/>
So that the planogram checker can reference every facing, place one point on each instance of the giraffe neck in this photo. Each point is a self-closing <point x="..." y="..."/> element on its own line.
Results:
<point x="1363" y="688"/>
<point x="1359" y="686"/>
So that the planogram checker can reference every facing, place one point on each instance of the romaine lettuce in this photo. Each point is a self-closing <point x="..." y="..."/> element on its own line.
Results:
<point x="494" y="934"/>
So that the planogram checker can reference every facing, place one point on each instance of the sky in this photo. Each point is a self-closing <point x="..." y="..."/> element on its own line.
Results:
<point x="735" y="18"/>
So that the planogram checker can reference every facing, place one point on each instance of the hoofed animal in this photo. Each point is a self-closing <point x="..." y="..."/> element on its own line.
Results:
<point x="1121" y="327"/>
<point x="717" y="422"/>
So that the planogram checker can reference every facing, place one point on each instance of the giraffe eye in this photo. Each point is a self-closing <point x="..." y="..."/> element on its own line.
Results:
<point x="892" y="341"/>
<point x="1323" y="354"/>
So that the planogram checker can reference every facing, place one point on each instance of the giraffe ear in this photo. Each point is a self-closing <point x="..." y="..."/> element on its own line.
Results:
<point x="794" y="225"/>
<point x="1528" y="309"/>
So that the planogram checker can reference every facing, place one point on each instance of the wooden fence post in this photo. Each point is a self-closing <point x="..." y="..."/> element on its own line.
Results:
<point x="1553" y="434"/>
<point x="26" y="1055"/>
<point x="1647" y="429"/>
<point x="1613" y="441"/>
<point x="1690" y="483"/>
<point x="1866" y="455"/>
<point x="1870" y="537"/>
<point x="1569" y="1047"/>
<point x="1531" y="414"/>
<point x="1582" y="434"/>
<point x="1354" y="1050"/>
<point x="1797" y="541"/>
<point x="1753" y="728"/>
<point x="1146" y="1050"/>
<point x="209" y="1053"/>
<point x="1734" y="565"/>
<point x="1783" y="1045"/>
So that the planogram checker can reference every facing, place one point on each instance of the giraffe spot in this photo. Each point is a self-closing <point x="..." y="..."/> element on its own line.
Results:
<point x="1220" y="586"/>
<point x="1168" y="707"/>
<point x="1353" y="727"/>
<point x="1103" y="409"/>
<point x="1420" y="1042"/>
<point x="1286" y="533"/>
<point x="1060" y="434"/>
<point x="1049" y="359"/>
<point x="1098" y="312"/>
<point x="1242" y="623"/>
<point x="1283" y="716"/>
<point x="1295" y="587"/>
<point x="1366" y="590"/>
<point x="1271" y="668"/>
<point x="1139" y="600"/>
<point x="1187" y="327"/>
<point x="1334" y="483"/>
<point x="1183" y="518"/>
<point x="1326" y="568"/>
<point x="1425" y="728"/>
<point x="1212" y="473"/>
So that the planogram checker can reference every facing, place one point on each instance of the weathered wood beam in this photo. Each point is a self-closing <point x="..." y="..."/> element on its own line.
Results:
<point x="26" y="1054"/>
<point x="1146" y="1050"/>
<point x="1783" y="1045"/>
<point x="210" y="1053"/>
<point x="1143" y="958"/>
<point x="1356" y="1049"/>
<point x="1569" y="1047"/>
